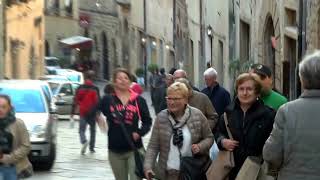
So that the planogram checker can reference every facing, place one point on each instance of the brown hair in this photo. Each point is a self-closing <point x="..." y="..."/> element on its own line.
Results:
<point x="247" y="77"/>
<point x="7" y="98"/>
<point x="120" y="70"/>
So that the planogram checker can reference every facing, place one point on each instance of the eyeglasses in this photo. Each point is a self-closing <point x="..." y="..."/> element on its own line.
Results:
<point x="173" y="98"/>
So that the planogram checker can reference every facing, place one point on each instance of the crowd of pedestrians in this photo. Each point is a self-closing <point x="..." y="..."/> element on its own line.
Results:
<point x="258" y="123"/>
<point x="192" y="127"/>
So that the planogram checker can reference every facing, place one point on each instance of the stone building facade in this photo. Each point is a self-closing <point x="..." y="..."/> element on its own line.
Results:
<point x="313" y="26"/>
<point x="267" y="32"/>
<point x="104" y="28"/>
<point x="2" y="10"/>
<point x="61" y="21"/>
<point x="23" y="39"/>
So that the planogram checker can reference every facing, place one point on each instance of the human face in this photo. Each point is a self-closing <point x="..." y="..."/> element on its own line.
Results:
<point x="266" y="83"/>
<point x="176" y="102"/>
<point x="5" y="107"/>
<point x="210" y="81"/>
<point x="122" y="81"/>
<point x="246" y="93"/>
<point x="169" y="81"/>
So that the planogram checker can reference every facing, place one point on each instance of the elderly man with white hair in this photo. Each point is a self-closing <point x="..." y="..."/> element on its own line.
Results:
<point x="219" y="97"/>
<point x="292" y="147"/>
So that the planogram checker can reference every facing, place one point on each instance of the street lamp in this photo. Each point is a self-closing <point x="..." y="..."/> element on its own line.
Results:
<point x="209" y="31"/>
<point x="210" y="35"/>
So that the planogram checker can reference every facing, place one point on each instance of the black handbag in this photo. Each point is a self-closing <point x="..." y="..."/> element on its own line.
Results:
<point x="191" y="168"/>
<point x="194" y="168"/>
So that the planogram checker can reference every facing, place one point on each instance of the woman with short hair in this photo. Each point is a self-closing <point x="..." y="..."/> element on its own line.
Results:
<point x="293" y="147"/>
<point x="249" y="121"/>
<point x="180" y="131"/>
<point x="14" y="143"/>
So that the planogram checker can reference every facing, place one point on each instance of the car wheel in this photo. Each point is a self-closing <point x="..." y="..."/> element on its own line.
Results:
<point x="52" y="156"/>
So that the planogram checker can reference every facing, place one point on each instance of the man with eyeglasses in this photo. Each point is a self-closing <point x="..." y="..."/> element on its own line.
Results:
<point x="270" y="97"/>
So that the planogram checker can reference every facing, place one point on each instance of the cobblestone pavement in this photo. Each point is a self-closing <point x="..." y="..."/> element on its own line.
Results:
<point x="71" y="165"/>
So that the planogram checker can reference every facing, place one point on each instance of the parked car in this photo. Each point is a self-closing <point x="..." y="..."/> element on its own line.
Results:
<point x="72" y="75"/>
<point x="63" y="94"/>
<point x="31" y="105"/>
<point x="54" y="77"/>
<point x="52" y="63"/>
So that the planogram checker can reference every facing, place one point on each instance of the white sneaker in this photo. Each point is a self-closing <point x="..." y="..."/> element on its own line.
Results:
<point x="84" y="148"/>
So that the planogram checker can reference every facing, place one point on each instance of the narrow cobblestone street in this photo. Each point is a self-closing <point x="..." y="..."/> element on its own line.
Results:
<point x="70" y="164"/>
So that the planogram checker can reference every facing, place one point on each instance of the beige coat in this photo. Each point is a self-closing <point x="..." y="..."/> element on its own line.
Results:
<point x="21" y="147"/>
<point x="293" y="146"/>
<point x="161" y="135"/>
<point x="203" y="103"/>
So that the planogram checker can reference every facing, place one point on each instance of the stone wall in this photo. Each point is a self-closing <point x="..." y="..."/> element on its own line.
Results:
<point x="104" y="22"/>
<point x="313" y="25"/>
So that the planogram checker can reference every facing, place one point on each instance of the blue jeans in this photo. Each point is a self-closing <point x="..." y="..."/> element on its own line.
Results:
<point x="8" y="173"/>
<point x="82" y="131"/>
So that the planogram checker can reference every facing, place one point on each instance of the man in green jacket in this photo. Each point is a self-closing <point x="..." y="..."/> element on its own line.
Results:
<point x="270" y="97"/>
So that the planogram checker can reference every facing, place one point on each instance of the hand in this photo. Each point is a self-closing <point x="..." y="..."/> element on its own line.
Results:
<point x="149" y="174"/>
<point x="229" y="144"/>
<point x="135" y="136"/>
<point x="195" y="148"/>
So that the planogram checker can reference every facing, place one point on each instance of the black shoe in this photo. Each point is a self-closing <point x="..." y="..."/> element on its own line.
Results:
<point x="92" y="151"/>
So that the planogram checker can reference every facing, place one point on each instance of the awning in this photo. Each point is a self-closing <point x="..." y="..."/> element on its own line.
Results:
<point x="77" y="42"/>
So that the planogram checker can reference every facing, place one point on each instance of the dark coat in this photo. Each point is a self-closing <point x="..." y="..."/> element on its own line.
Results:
<point x="250" y="129"/>
<point x="219" y="97"/>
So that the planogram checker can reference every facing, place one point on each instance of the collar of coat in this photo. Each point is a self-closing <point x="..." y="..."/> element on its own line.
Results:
<point x="311" y="93"/>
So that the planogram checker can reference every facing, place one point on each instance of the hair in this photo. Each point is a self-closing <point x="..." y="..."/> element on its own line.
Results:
<point x="181" y="71"/>
<point x="172" y="70"/>
<point x="108" y="89"/>
<point x="162" y="71"/>
<point x="186" y="82"/>
<point x="120" y="70"/>
<point x="7" y="98"/>
<point x="89" y="74"/>
<point x="133" y="78"/>
<point x="210" y="72"/>
<point x="180" y="88"/>
<point x="247" y="77"/>
<point x="309" y="71"/>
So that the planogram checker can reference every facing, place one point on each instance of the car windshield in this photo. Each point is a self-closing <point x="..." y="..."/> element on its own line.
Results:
<point x="52" y="62"/>
<point x="46" y="91"/>
<point x="54" y="87"/>
<point x="73" y="77"/>
<point x="25" y="100"/>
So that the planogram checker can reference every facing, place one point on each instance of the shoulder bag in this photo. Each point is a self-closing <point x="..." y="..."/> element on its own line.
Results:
<point x="138" y="153"/>
<point x="222" y="165"/>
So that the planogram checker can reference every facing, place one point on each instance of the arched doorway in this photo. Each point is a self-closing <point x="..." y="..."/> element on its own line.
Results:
<point x="269" y="50"/>
<point x="105" y="56"/>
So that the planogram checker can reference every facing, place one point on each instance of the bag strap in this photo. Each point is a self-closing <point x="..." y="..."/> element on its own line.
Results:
<point x="123" y="127"/>
<point x="137" y="106"/>
<point x="227" y="125"/>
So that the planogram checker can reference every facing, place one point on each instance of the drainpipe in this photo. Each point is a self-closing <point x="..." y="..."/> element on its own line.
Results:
<point x="301" y="43"/>
<point x="145" y="44"/>
<point x="3" y="41"/>
<point x="174" y="32"/>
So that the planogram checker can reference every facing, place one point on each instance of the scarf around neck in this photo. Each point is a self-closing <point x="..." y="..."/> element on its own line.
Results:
<point x="182" y="121"/>
<point x="6" y="121"/>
